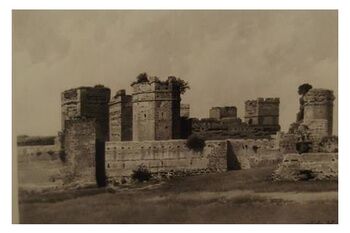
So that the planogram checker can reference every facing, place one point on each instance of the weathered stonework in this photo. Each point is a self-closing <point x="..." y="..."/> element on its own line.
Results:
<point x="120" y="117"/>
<point x="80" y="151"/>
<point x="163" y="156"/>
<point x="308" y="166"/>
<point x="156" y="110"/>
<point x="173" y="156"/>
<point x="223" y="112"/>
<point x="318" y="112"/>
<point x="249" y="153"/>
<point x="263" y="113"/>
<point x="89" y="103"/>
<point x="286" y="142"/>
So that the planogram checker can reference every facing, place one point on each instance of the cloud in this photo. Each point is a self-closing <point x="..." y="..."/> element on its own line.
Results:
<point x="231" y="56"/>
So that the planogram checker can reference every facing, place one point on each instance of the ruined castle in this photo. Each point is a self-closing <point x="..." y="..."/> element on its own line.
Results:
<point x="105" y="138"/>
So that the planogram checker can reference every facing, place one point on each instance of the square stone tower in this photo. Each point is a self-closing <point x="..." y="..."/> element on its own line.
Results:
<point x="156" y="109"/>
<point x="120" y="117"/>
<point x="87" y="103"/>
<point x="263" y="113"/>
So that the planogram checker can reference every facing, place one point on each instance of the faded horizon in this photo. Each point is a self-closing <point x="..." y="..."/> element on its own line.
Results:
<point x="227" y="57"/>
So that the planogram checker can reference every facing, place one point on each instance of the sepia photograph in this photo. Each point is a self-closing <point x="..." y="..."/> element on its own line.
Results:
<point x="175" y="116"/>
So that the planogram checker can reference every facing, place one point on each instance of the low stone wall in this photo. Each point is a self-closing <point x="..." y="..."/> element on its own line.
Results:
<point x="171" y="156"/>
<point x="250" y="153"/>
<point x="308" y="166"/>
<point x="37" y="153"/>
<point x="38" y="166"/>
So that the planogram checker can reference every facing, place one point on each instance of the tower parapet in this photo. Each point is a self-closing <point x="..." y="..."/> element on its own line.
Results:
<point x="318" y="112"/>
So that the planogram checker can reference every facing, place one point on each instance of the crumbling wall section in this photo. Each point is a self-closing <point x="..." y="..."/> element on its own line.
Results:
<point x="308" y="166"/>
<point x="250" y="153"/>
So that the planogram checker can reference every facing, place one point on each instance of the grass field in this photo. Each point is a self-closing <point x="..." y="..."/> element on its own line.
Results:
<point x="245" y="196"/>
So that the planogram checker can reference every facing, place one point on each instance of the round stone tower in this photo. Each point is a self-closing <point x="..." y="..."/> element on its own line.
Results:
<point x="318" y="112"/>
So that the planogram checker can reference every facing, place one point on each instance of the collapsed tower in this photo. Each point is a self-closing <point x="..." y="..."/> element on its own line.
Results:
<point x="318" y="113"/>
<point x="156" y="109"/>
<point x="120" y="117"/>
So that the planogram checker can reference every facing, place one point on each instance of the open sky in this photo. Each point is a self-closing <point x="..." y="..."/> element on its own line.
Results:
<point x="226" y="56"/>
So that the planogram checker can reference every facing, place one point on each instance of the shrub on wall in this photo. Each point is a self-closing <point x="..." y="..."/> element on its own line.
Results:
<point x="195" y="143"/>
<point x="141" y="174"/>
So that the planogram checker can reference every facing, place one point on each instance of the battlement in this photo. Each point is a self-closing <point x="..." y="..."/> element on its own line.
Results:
<point x="154" y="84"/>
<point x="261" y="100"/>
<point x="319" y="97"/>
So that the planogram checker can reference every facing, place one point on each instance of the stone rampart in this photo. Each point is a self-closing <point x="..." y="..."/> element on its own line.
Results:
<point x="163" y="157"/>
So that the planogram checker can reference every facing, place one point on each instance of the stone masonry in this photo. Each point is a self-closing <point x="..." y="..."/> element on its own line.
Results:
<point x="89" y="103"/>
<point x="263" y="113"/>
<point x="223" y="112"/>
<point x="318" y="112"/>
<point x="120" y="117"/>
<point x="163" y="157"/>
<point x="156" y="110"/>
<point x="80" y="151"/>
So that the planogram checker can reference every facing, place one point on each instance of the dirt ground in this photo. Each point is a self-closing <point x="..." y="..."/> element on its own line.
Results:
<point x="245" y="196"/>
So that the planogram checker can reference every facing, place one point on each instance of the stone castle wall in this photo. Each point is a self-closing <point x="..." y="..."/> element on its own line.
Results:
<point x="174" y="156"/>
<point x="162" y="157"/>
